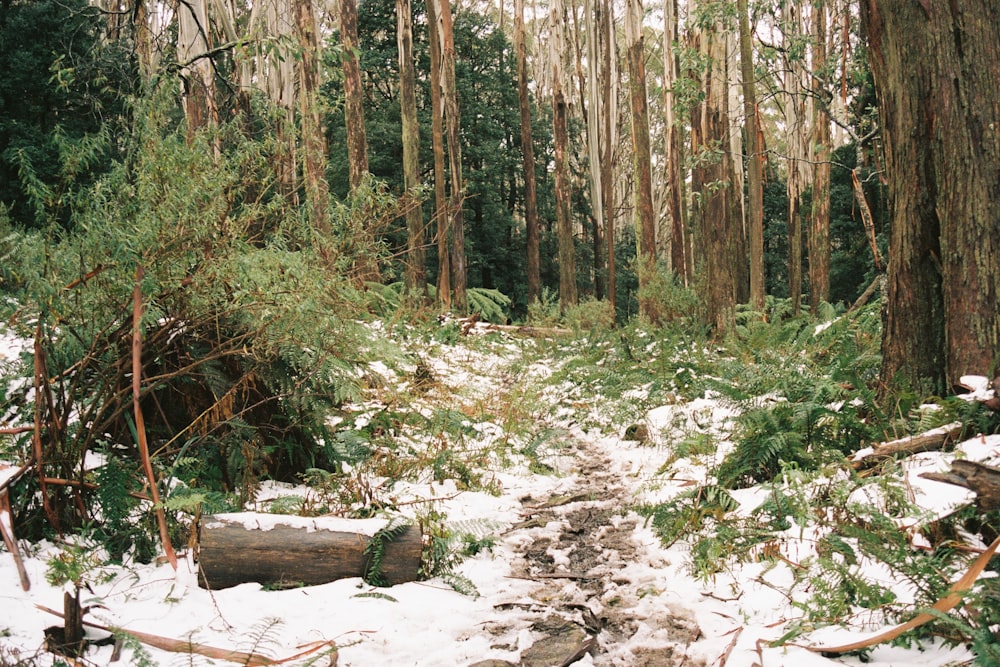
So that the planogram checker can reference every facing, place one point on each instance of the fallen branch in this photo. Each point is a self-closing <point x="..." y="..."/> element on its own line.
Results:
<point x="979" y="477"/>
<point x="189" y="647"/>
<point x="944" y="605"/>
<point x="934" y="439"/>
<point x="7" y="530"/>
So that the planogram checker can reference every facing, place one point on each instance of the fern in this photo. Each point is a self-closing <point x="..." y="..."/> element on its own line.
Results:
<point x="491" y="304"/>
<point x="375" y="550"/>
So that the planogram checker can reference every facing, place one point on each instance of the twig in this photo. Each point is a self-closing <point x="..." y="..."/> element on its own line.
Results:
<point x="190" y="647"/>
<point x="140" y="426"/>
<point x="7" y="530"/>
<point x="736" y="632"/>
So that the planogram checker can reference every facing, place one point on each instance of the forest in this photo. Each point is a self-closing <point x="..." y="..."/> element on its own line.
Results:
<point x="250" y="244"/>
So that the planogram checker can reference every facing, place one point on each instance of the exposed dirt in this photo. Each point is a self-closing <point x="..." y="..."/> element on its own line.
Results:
<point x="583" y="602"/>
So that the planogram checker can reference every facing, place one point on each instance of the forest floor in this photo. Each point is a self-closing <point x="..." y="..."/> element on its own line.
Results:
<point x="567" y="570"/>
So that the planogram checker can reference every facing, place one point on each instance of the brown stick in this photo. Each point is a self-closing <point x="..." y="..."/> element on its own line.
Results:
<point x="140" y="424"/>
<point x="16" y="430"/>
<point x="925" y="442"/>
<point x="189" y="647"/>
<point x="866" y="218"/>
<point x="7" y="530"/>
<point x="944" y="605"/>
<point x="41" y="394"/>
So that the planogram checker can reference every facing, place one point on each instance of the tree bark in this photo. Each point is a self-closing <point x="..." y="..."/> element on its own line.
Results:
<point x="592" y="12"/>
<point x="527" y="157"/>
<point x="675" y="201"/>
<point x="935" y="70"/>
<point x="437" y="140"/>
<point x="797" y="129"/>
<point x="416" y="273"/>
<point x="354" y="112"/>
<point x="317" y="190"/>
<point x="197" y="73"/>
<point x="819" y="229"/>
<point x="560" y="138"/>
<point x="456" y="204"/>
<point x="299" y="551"/>
<point x="606" y="28"/>
<point x="755" y="176"/>
<point x="645" y="221"/>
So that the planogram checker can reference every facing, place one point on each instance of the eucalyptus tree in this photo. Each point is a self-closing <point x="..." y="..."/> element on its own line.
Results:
<point x="754" y="158"/>
<point x="560" y="135"/>
<point x="416" y="269"/>
<point x="641" y="157"/>
<point x="935" y="68"/>
<point x="354" y="115"/>
<point x="534" y="285"/>
<point x="820" y="144"/>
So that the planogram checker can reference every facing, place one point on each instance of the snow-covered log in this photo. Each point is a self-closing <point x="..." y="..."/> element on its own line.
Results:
<point x="931" y="440"/>
<point x="295" y="551"/>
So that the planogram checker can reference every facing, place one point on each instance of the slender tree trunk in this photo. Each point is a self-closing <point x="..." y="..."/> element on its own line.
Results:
<point x="592" y="12"/>
<point x="437" y="139"/>
<point x="796" y="126"/>
<point x="678" y="260"/>
<point x="819" y="229"/>
<point x="645" y="220"/>
<point x="755" y="178"/>
<point x="935" y="70"/>
<point x="354" y="112"/>
<point x="416" y="272"/>
<point x="313" y="137"/>
<point x="453" y="125"/>
<point x="528" y="157"/>
<point x="278" y="68"/>
<point x="606" y="28"/>
<point x="564" y="223"/>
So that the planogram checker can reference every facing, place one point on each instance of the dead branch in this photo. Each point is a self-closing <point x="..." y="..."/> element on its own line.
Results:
<point x="932" y="440"/>
<point x="978" y="477"/>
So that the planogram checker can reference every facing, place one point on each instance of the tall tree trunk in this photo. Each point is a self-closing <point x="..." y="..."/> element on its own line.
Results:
<point x="354" y="112"/>
<point x="560" y="138"/>
<point x="755" y="178"/>
<point x="313" y="137"/>
<point x="935" y="70"/>
<point x="416" y="272"/>
<point x="452" y="119"/>
<point x="797" y="129"/>
<point x="819" y="228"/>
<point x="711" y="180"/>
<point x="645" y="220"/>
<point x="527" y="157"/>
<point x="606" y="29"/>
<point x="675" y="207"/>
<point x="437" y="140"/>
<point x="278" y="68"/>
<point x="196" y="69"/>
<point x="592" y="13"/>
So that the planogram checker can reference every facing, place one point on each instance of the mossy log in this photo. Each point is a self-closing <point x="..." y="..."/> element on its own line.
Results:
<point x="288" y="551"/>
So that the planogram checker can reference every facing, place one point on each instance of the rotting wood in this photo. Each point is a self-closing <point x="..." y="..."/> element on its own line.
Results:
<point x="979" y="477"/>
<point x="292" y="553"/>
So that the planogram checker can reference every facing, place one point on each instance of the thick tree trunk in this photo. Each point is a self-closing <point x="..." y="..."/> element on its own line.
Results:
<point x="354" y="112"/>
<point x="197" y="73"/>
<point x="437" y="141"/>
<point x="527" y="157"/>
<point x="935" y="69"/>
<point x="712" y="180"/>
<point x="416" y="270"/>
<point x="755" y="177"/>
<point x="645" y="221"/>
<point x="295" y="551"/>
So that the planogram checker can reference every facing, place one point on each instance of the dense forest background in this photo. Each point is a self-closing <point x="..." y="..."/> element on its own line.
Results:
<point x="79" y="74"/>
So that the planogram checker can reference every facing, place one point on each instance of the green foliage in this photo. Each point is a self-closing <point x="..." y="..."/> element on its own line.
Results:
<point x="490" y="304"/>
<point x="375" y="550"/>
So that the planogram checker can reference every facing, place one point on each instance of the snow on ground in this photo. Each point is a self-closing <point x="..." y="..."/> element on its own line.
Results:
<point x="737" y="613"/>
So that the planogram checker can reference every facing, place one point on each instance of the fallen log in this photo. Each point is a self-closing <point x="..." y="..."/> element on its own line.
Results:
<point x="979" y="477"/>
<point x="288" y="551"/>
